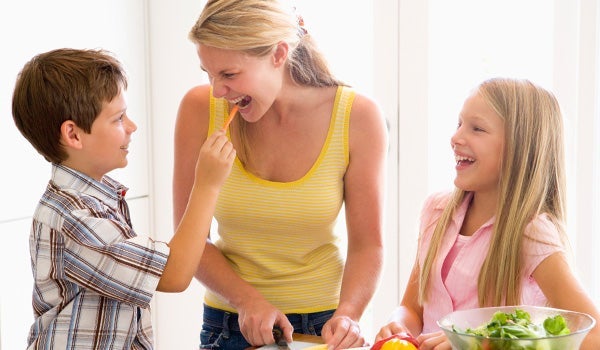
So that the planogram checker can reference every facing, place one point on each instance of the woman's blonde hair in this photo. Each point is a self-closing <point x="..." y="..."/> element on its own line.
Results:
<point x="256" y="27"/>
<point x="532" y="182"/>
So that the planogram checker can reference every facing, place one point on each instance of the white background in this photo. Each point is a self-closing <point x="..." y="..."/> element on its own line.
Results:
<point x="416" y="58"/>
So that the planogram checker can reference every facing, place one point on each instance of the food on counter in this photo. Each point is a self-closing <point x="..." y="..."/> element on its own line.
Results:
<point x="499" y="328"/>
<point x="400" y="341"/>
<point x="317" y="347"/>
<point x="518" y="325"/>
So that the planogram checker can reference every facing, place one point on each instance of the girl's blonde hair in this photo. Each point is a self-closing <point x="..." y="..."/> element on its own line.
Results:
<point x="532" y="182"/>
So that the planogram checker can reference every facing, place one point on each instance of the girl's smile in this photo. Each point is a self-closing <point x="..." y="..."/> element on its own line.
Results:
<point x="478" y="145"/>
<point x="462" y="161"/>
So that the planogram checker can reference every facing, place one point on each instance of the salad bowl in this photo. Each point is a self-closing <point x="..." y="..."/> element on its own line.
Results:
<point x="524" y="328"/>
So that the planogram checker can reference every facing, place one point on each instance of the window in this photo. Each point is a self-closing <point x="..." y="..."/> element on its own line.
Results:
<point x="554" y="44"/>
<point x="470" y="42"/>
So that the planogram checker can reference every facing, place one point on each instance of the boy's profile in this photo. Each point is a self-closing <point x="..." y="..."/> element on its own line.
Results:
<point x="94" y="276"/>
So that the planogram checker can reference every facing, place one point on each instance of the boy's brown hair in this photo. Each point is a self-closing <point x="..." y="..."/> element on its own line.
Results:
<point x="60" y="85"/>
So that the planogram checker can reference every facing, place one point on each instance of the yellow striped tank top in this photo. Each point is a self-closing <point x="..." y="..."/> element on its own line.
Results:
<point x="280" y="237"/>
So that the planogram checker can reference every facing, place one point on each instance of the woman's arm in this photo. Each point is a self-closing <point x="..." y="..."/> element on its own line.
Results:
<point x="214" y="271"/>
<point x="563" y="291"/>
<point x="364" y="183"/>
<point x="191" y="130"/>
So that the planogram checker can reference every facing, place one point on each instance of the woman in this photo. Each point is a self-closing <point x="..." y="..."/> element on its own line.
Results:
<point x="307" y="145"/>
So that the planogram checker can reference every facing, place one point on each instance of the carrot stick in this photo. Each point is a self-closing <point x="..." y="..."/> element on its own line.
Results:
<point x="230" y="118"/>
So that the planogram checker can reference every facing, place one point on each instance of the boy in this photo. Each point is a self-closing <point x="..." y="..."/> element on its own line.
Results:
<point x="94" y="276"/>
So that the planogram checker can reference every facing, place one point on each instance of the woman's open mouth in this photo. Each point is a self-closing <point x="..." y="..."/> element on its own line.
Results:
<point x="242" y="101"/>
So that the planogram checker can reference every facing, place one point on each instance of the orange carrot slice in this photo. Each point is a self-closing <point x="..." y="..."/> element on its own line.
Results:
<point x="230" y="118"/>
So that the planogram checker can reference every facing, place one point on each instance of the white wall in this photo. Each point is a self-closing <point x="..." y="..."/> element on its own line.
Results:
<point x="30" y="27"/>
<point x="174" y="69"/>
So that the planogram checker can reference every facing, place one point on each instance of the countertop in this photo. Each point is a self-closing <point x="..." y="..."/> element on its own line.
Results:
<point x="303" y="341"/>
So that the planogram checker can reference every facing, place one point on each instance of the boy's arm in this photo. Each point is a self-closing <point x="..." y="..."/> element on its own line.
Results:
<point x="90" y="251"/>
<point x="187" y="245"/>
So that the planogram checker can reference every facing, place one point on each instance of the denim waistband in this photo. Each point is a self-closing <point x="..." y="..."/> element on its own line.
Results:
<point x="302" y="323"/>
<point x="221" y="318"/>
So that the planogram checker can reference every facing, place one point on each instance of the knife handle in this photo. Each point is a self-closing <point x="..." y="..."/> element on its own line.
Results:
<point x="279" y="338"/>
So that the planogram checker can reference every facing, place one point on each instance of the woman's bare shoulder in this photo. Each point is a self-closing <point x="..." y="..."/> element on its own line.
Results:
<point x="366" y="119"/>
<point x="193" y="113"/>
<point x="197" y="96"/>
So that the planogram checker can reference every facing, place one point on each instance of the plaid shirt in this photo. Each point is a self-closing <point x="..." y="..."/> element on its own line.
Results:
<point x="93" y="277"/>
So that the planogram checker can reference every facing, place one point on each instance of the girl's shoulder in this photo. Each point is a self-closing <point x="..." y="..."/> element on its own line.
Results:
<point x="437" y="201"/>
<point x="544" y="229"/>
<point x="433" y="207"/>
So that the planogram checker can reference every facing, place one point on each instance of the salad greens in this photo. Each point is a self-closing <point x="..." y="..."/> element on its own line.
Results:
<point x="518" y="325"/>
<point x="556" y="325"/>
<point x="515" y="331"/>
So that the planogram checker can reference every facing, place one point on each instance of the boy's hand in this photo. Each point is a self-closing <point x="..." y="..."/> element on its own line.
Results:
<point x="215" y="160"/>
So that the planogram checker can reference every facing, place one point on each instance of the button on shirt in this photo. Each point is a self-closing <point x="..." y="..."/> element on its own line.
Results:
<point x="93" y="276"/>
<point x="453" y="283"/>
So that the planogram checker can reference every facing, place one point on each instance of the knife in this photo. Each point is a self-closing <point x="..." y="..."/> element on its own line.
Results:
<point x="282" y="344"/>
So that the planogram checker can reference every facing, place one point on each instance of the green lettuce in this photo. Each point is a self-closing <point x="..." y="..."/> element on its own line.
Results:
<point x="503" y="328"/>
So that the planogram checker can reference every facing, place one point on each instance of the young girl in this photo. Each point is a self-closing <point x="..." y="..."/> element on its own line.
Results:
<point x="499" y="238"/>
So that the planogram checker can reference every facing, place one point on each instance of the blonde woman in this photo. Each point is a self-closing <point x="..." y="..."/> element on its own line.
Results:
<point x="499" y="238"/>
<point x="307" y="145"/>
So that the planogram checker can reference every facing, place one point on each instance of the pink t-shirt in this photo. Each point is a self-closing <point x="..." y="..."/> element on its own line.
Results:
<point x="453" y="285"/>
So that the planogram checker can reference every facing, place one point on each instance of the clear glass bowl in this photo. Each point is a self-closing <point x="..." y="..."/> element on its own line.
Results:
<point x="579" y="324"/>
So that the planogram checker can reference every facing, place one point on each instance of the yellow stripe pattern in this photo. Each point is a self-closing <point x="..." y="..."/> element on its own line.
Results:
<point x="280" y="236"/>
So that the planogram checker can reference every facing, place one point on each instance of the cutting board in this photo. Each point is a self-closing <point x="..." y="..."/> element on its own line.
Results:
<point x="301" y="341"/>
<point x="304" y="341"/>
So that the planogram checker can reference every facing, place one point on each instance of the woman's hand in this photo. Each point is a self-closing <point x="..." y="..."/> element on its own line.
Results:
<point x="434" y="341"/>
<point x="258" y="317"/>
<point x="342" y="332"/>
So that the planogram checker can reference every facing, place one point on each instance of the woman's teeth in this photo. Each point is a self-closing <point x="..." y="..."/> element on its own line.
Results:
<point x="242" y="101"/>
<point x="237" y="100"/>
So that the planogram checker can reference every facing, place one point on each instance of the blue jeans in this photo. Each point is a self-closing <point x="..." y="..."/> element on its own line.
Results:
<point x="221" y="330"/>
